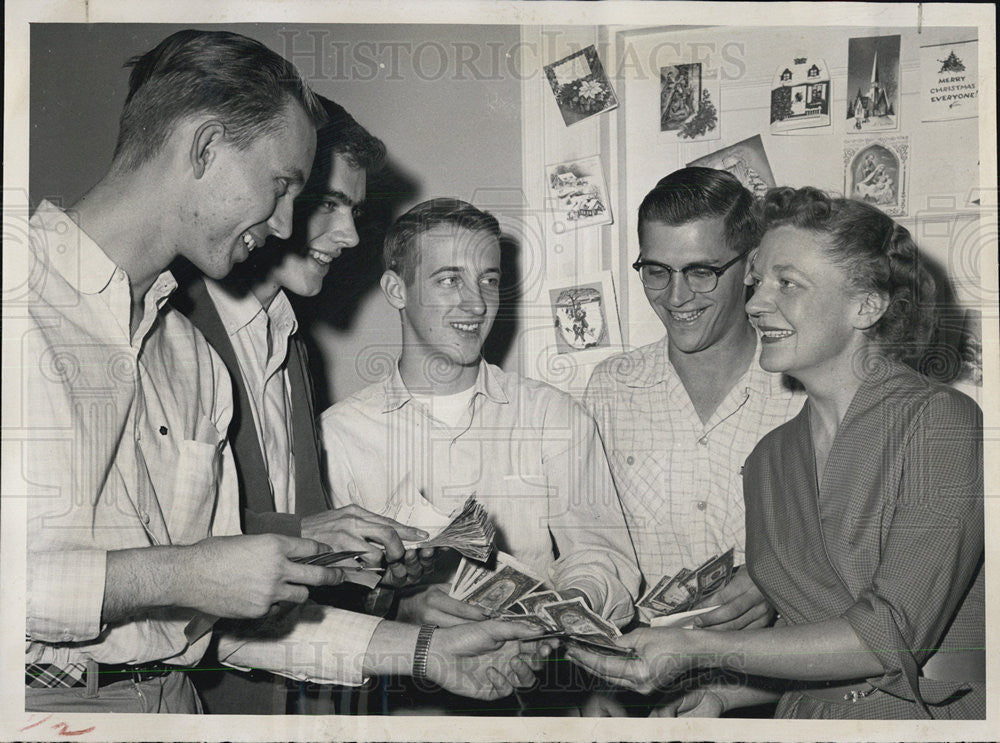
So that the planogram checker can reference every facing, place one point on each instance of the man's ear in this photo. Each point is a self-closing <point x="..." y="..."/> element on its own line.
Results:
<point x="204" y="145"/>
<point x="394" y="289"/>
<point x="870" y="310"/>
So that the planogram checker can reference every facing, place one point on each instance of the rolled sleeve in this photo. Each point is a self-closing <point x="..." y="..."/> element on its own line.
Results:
<point x="934" y="543"/>
<point x="596" y="553"/>
<point x="313" y="643"/>
<point x="61" y="610"/>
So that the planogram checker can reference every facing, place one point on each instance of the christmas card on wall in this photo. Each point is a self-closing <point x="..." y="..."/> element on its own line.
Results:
<point x="873" y="84"/>
<point x="689" y="101"/>
<point x="949" y="81"/>
<point x="800" y="95"/>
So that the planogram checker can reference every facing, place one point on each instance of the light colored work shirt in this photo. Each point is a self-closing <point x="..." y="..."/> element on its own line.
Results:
<point x="529" y="452"/>
<point x="121" y="444"/>
<point x="679" y="479"/>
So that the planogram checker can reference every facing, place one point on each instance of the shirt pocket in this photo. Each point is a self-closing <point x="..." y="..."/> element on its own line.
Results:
<point x="195" y="490"/>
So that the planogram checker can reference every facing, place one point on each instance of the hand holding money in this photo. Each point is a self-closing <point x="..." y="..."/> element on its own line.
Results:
<point x="658" y="656"/>
<point x="687" y="589"/>
<point x="739" y="605"/>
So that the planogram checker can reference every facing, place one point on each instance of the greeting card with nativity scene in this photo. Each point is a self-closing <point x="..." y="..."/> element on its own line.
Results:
<point x="875" y="170"/>
<point x="689" y="101"/>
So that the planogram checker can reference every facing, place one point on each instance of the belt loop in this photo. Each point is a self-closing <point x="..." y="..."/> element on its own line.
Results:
<point x="92" y="678"/>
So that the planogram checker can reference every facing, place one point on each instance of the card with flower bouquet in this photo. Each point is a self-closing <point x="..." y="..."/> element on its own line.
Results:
<point x="580" y="85"/>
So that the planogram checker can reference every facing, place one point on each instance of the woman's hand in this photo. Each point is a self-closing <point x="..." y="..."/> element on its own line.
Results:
<point x="661" y="655"/>
<point x="697" y="703"/>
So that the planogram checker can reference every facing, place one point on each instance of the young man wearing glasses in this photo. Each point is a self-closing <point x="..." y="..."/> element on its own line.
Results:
<point x="679" y="416"/>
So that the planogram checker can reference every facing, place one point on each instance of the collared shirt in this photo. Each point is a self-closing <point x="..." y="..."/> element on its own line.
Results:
<point x="529" y="452"/>
<point x="123" y="438"/>
<point x="121" y="443"/>
<point x="680" y="480"/>
<point x="260" y="341"/>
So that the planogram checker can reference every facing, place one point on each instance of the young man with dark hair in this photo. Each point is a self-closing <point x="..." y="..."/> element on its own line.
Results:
<point x="679" y="416"/>
<point x="249" y="321"/>
<point x="124" y="457"/>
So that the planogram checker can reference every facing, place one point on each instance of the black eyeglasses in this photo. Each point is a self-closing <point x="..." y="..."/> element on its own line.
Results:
<point x="699" y="278"/>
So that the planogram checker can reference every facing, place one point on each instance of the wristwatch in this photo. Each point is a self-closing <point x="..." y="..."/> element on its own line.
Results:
<point x="421" y="651"/>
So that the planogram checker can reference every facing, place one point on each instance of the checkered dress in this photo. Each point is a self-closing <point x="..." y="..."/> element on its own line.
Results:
<point x="892" y="541"/>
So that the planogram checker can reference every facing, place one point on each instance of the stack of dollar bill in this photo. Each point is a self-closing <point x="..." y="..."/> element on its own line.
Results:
<point x="469" y="532"/>
<point x="512" y="590"/>
<point x="680" y="593"/>
<point x="349" y="561"/>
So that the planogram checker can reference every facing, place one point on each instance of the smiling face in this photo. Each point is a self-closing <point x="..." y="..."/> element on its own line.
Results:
<point x="245" y="195"/>
<point x="448" y="309"/>
<point x="695" y="322"/>
<point x="809" y="317"/>
<point x="329" y="229"/>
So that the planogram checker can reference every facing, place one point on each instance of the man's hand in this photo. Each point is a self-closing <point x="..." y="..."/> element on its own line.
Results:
<point x="652" y="667"/>
<point x="243" y="576"/>
<point x="697" y="703"/>
<point x="433" y="605"/>
<point x="353" y="528"/>
<point x="485" y="660"/>
<point x="410" y="570"/>
<point x="742" y="606"/>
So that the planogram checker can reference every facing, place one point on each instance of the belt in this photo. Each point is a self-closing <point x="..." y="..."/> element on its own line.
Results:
<point x="47" y="675"/>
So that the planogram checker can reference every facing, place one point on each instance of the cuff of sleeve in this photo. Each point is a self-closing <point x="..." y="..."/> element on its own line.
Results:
<point x="323" y="645"/>
<point x="65" y="595"/>
<point x="871" y="619"/>
<point x="288" y="524"/>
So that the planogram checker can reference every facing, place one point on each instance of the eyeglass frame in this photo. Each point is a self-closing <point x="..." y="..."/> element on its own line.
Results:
<point x="717" y="270"/>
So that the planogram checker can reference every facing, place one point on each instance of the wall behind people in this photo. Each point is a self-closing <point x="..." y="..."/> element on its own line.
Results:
<point x="944" y="185"/>
<point x="446" y="100"/>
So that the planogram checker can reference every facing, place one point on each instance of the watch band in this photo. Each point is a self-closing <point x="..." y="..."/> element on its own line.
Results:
<point x="421" y="651"/>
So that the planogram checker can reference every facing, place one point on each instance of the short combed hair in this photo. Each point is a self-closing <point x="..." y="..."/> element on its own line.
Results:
<point x="692" y="194"/>
<point x="399" y="253"/>
<point x="239" y="80"/>
<point x="876" y="253"/>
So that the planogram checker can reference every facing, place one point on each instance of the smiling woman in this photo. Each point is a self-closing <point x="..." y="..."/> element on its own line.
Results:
<point x="845" y="503"/>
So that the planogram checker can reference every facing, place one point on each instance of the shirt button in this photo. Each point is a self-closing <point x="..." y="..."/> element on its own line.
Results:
<point x="145" y="517"/>
<point x="702" y="505"/>
<point x="119" y="275"/>
<point x="630" y="459"/>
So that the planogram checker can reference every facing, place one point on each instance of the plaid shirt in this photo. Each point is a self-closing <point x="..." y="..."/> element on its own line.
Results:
<point x="679" y="479"/>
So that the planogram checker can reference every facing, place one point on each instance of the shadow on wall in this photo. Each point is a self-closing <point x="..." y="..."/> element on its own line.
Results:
<point x="357" y="271"/>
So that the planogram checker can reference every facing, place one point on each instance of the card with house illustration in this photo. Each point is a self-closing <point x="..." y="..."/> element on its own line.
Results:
<point x="800" y="94"/>
<point x="578" y="193"/>
<point x="872" y="84"/>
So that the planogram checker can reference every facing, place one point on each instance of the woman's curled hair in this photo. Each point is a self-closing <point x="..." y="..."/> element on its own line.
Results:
<point x="876" y="253"/>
